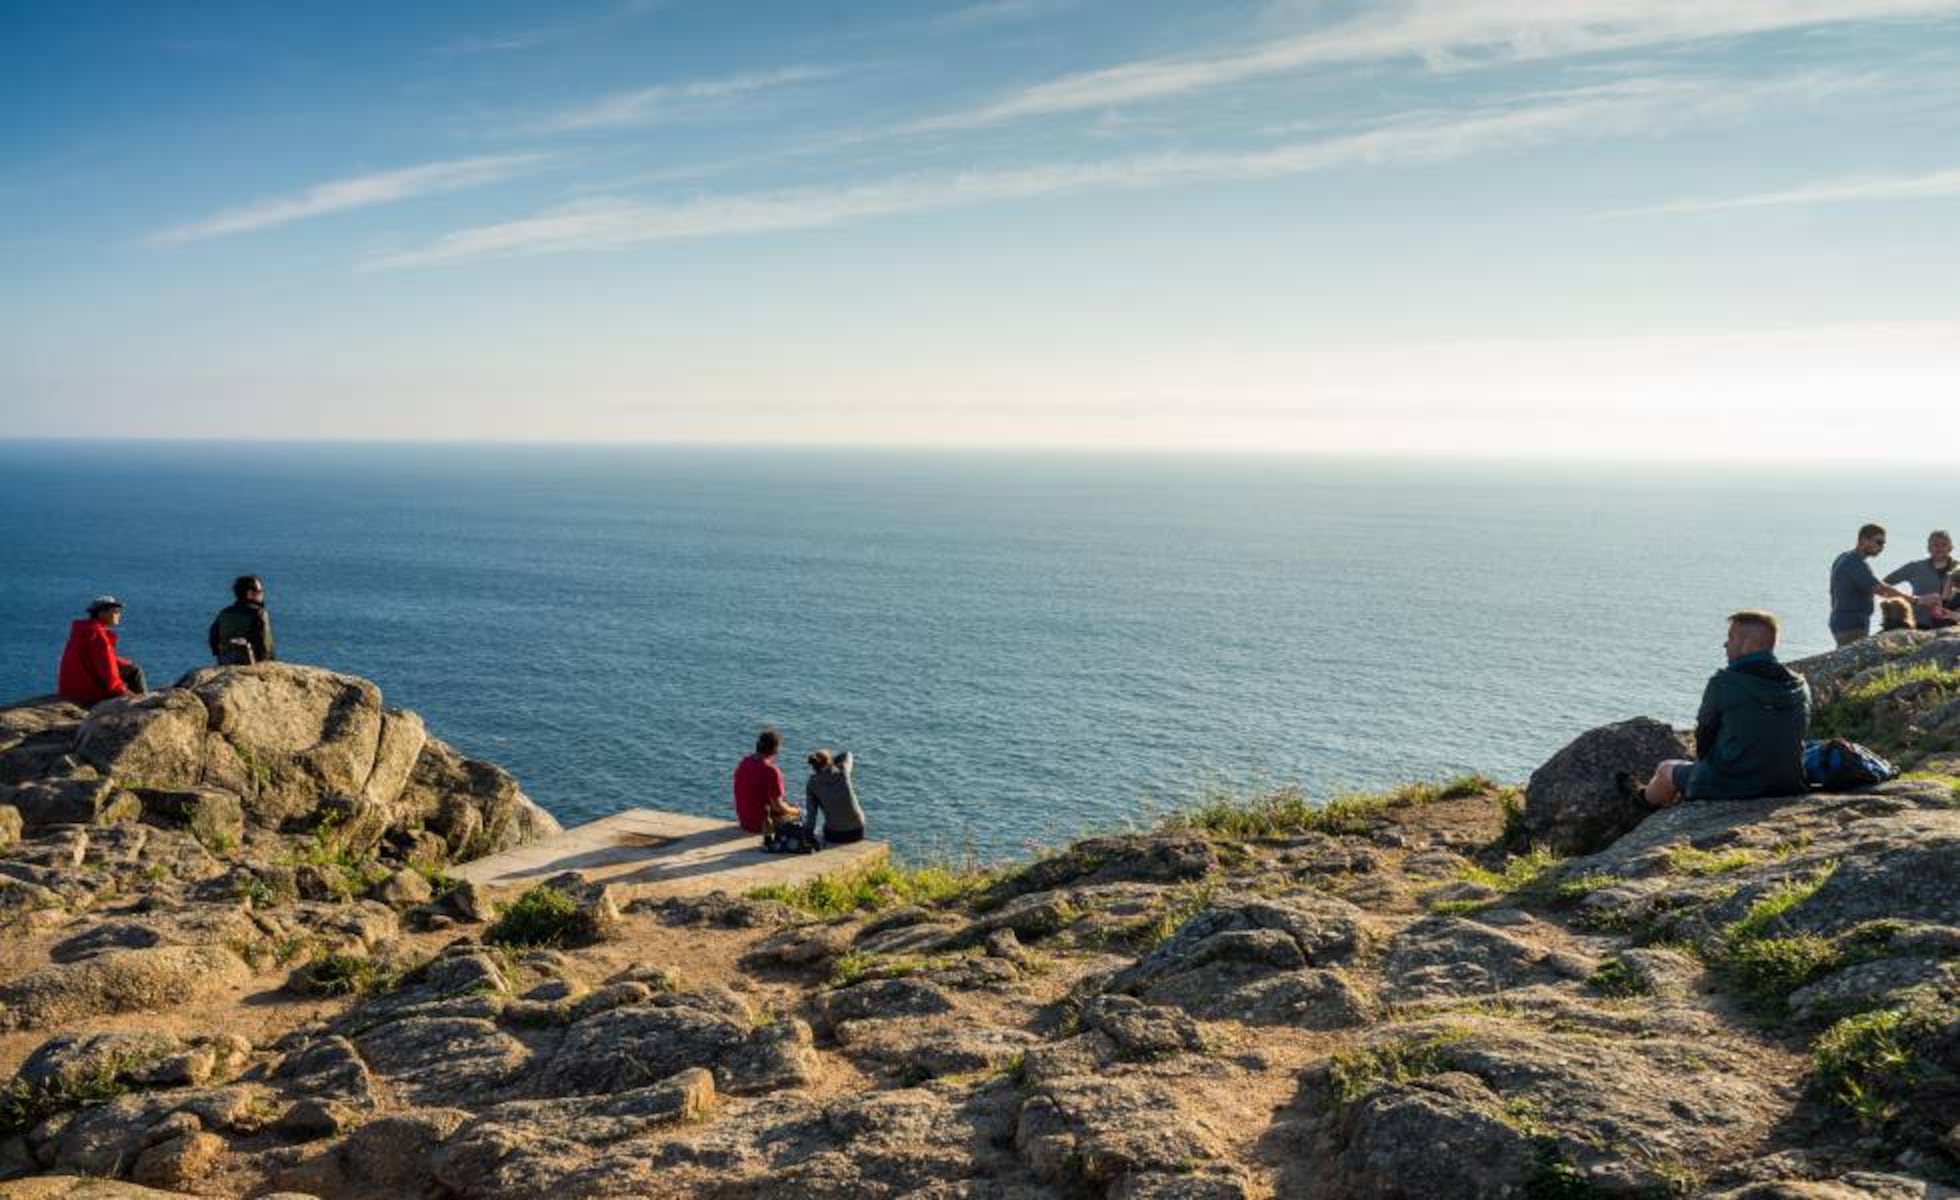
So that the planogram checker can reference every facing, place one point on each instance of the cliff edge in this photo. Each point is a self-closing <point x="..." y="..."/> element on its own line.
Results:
<point x="1395" y="995"/>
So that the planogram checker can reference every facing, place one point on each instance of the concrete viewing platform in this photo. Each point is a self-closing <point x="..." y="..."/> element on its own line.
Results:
<point x="653" y="853"/>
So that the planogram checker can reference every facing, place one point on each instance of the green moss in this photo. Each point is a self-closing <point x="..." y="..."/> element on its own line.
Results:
<point x="883" y="886"/>
<point x="542" y="916"/>
<point x="1684" y="859"/>
<point x="1357" y="1072"/>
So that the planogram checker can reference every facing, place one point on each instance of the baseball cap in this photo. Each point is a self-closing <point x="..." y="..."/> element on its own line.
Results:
<point x="101" y="602"/>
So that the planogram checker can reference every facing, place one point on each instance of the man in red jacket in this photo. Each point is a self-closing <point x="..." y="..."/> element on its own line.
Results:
<point x="91" y="672"/>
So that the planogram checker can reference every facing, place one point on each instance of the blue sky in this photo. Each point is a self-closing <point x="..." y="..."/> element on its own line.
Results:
<point x="1596" y="227"/>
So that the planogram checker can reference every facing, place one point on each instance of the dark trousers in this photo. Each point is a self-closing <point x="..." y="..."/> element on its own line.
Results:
<point x="842" y="839"/>
<point x="132" y="676"/>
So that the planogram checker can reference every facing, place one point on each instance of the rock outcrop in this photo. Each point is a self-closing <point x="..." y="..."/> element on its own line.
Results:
<point x="1401" y="997"/>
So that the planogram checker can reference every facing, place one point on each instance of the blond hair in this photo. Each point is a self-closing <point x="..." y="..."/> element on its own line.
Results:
<point x="1757" y="618"/>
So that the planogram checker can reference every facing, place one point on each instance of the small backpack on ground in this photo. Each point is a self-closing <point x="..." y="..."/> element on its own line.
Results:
<point x="1838" y="765"/>
<point x="789" y="837"/>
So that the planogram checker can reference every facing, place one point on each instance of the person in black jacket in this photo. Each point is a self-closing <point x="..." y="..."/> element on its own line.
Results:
<point x="242" y="633"/>
<point x="1749" y="732"/>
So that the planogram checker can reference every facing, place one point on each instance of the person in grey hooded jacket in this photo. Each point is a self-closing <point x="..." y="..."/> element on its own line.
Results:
<point x="831" y="794"/>
<point x="1749" y="732"/>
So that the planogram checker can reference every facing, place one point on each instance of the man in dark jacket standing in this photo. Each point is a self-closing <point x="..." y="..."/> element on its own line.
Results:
<point x="91" y="671"/>
<point x="242" y="633"/>
<point x="1749" y="732"/>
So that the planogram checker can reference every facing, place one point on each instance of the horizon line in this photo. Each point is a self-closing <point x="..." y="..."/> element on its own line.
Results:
<point x="1552" y="457"/>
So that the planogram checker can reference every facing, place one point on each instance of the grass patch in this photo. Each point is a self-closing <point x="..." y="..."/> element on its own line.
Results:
<point x="1616" y="979"/>
<point x="1684" y="859"/>
<point x="882" y="886"/>
<point x="23" y="1106"/>
<point x="337" y="973"/>
<point x="1768" y="968"/>
<point x="1520" y="871"/>
<point x="542" y="916"/>
<point x="1579" y="887"/>
<point x="1184" y="903"/>
<point x="1951" y="782"/>
<point x="1357" y="1072"/>
<point x="1511" y="801"/>
<point x="440" y="881"/>
<point x="1853" y="712"/>
<point x="857" y="967"/>
<point x="1288" y="813"/>
<point x="1779" y="900"/>
<point x="1861" y="1060"/>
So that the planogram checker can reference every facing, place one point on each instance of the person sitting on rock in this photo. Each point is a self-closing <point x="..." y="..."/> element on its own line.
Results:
<point x="91" y="671"/>
<point x="1853" y="586"/>
<point x="1749" y="732"/>
<point x="242" y="633"/>
<point x="759" y="800"/>
<point x="1894" y="613"/>
<point x="831" y="795"/>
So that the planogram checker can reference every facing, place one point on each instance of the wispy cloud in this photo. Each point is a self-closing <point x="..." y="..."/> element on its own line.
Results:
<point x="677" y="101"/>
<point x="1932" y="185"/>
<point x="504" y="43"/>
<point x="1622" y="108"/>
<point x="993" y="12"/>
<point x="360" y="191"/>
<point x="1443" y="34"/>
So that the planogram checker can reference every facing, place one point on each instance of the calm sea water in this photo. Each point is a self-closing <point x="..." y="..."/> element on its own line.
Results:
<point x="1018" y="647"/>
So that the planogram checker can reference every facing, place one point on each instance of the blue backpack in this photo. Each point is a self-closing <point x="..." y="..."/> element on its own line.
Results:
<point x="1837" y="765"/>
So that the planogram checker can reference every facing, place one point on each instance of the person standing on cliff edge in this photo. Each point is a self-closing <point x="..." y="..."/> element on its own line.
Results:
<point x="1749" y="731"/>
<point x="1853" y="586"/>
<point x="242" y="633"/>
<point x="1927" y="578"/>
<point x="91" y="671"/>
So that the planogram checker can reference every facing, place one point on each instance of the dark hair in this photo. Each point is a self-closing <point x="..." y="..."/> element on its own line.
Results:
<point x="244" y="584"/>
<point x="768" y="742"/>
<point x="1895" y="613"/>
<point x="1760" y="619"/>
<point x="1865" y="531"/>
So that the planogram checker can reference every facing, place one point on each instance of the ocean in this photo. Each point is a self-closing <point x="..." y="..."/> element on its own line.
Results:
<point x="1018" y="648"/>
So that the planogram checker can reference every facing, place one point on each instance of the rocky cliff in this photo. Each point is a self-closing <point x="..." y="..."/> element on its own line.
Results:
<point x="1384" y="996"/>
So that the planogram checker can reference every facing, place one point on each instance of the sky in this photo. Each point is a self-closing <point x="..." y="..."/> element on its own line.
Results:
<point x="1657" y="230"/>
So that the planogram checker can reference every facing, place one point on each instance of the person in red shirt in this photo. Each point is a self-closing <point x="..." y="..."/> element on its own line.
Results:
<point x="759" y="802"/>
<point x="91" y="671"/>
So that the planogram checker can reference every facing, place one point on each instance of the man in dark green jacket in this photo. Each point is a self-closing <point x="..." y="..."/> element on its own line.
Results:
<point x="242" y="633"/>
<point x="1749" y="732"/>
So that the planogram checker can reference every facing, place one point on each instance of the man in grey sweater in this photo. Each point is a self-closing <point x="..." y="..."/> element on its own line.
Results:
<point x="1927" y="577"/>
